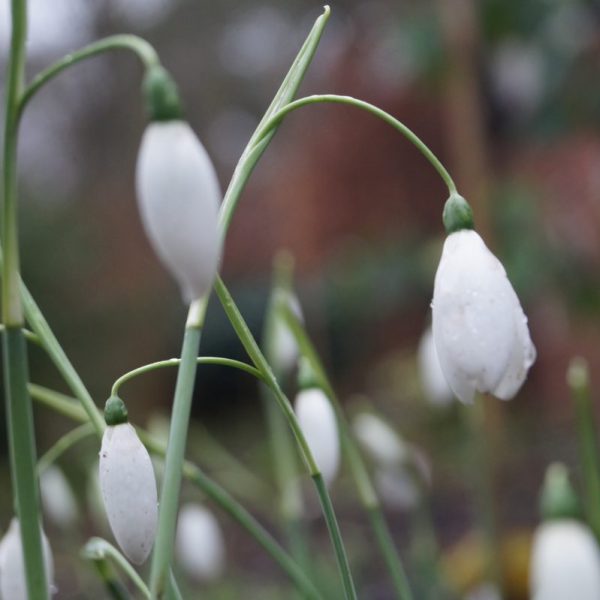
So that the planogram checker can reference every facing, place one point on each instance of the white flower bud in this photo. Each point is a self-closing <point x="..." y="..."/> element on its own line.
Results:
<point x="129" y="491"/>
<point x="435" y="386"/>
<point x="565" y="562"/>
<point x="13" y="585"/>
<point x="397" y="488"/>
<point x="199" y="543"/>
<point x="319" y="425"/>
<point x="284" y="349"/>
<point x="57" y="497"/>
<point x="479" y="328"/>
<point x="379" y="439"/>
<point x="178" y="197"/>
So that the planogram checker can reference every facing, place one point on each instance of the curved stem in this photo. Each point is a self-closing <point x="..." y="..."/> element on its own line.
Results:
<point x="98" y="549"/>
<point x="62" y="445"/>
<point x="175" y="362"/>
<point x="139" y="46"/>
<point x="245" y="336"/>
<point x="412" y="137"/>
<point x="71" y="408"/>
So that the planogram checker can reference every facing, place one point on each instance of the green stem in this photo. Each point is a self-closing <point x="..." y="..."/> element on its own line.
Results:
<point x="169" y="499"/>
<point x="247" y="339"/>
<point x="70" y="408"/>
<point x="29" y="335"/>
<point x="175" y="362"/>
<point x="21" y="442"/>
<point x="366" y="491"/>
<point x="115" y="589"/>
<point x="139" y="46"/>
<point x="62" y="445"/>
<point x="578" y="380"/>
<point x="99" y="549"/>
<point x="276" y="119"/>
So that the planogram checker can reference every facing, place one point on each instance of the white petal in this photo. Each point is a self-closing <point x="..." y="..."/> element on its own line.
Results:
<point x="284" y="349"/>
<point x="178" y="197"/>
<point x="479" y="329"/>
<point x="565" y="562"/>
<point x="379" y="439"/>
<point x="200" y="545"/>
<point x="433" y="380"/>
<point x="12" y="566"/>
<point x="57" y="497"/>
<point x="397" y="488"/>
<point x="318" y="423"/>
<point x="129" y="491"/>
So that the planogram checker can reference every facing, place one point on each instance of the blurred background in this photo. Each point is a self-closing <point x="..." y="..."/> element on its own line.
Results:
<point x="505" y="92"/>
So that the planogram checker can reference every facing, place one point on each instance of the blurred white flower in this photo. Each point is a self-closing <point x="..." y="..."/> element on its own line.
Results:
<point x="199" y="543"/>
<point x="129" y="491"/>
<point x="178" y="197"/>
<point x="479" y="328"/>
<point x="397" y="487"/>
<point x="379" y="439"/>
<point x="435" y="386"/>
<point x="283" y="349"/>
<point x="485" y="591"/>
<point x="319" y="425"/>
<point x="57" y="497"/>
<point x="12" y="568"/>
<point x="565" y="562"/>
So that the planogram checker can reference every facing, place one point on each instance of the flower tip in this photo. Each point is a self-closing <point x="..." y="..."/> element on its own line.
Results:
<point x="457" y="214"/>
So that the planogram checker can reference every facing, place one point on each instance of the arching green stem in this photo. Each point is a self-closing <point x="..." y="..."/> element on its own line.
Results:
<point x="412" y="137"/>
<point x="140" y="47"/>
<point x="175" y="362"/>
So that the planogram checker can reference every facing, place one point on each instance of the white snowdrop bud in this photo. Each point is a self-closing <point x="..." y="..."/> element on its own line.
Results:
<point x="435" y="386"/>
<point x="283" y="347"/>
<point x="479" y="328"/>
<point x="199" y="543"/>
<point x="57" y="497"/>
<point x="129" y="491"/>
<point x="379" y="439"/>
<point x="397" y="487"/>
<point x="178" y="198"/>
<point x="565" y="562"/>
<point x="318" y="423"/>
<point x="13" y="585"/>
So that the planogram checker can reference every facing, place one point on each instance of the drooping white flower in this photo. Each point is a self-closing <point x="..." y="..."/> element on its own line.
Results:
<point x="319" y="425"/>
<point x="433" y="380"/>
<point x="178" y="196"/>
<point x="13" y="585"/>
<point x="129" y="491"/>
<point x="565" y="562"/>
<point x="479" y="328"/>
<point x="57" y="497"/>
<point x="199" y="543"/>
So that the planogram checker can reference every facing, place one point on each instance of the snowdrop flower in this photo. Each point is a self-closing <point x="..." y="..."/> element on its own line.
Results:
<point x="283" y="347"/>
<point x="199" y="543"/>
<point x="379" y="439"/>
<point x="57" y="497"/>
<point x="433" y="380"/>
<point x="178" y="192"/>
<point x="397" y="488"/>
<point x="319" y="425"/>
<point x="565" y="558"/>
<point x="128" y="485"/>
<point x="479" y="328"/>
<point x="13" y="585"/>
<point x="565" y="562"/>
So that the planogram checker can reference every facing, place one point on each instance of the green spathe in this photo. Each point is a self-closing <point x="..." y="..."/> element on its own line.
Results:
<point x="457" y="214"/>
<point x="115" y="411"/>
<point x="161" y="95"/>
<point x="558" y="499"/>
